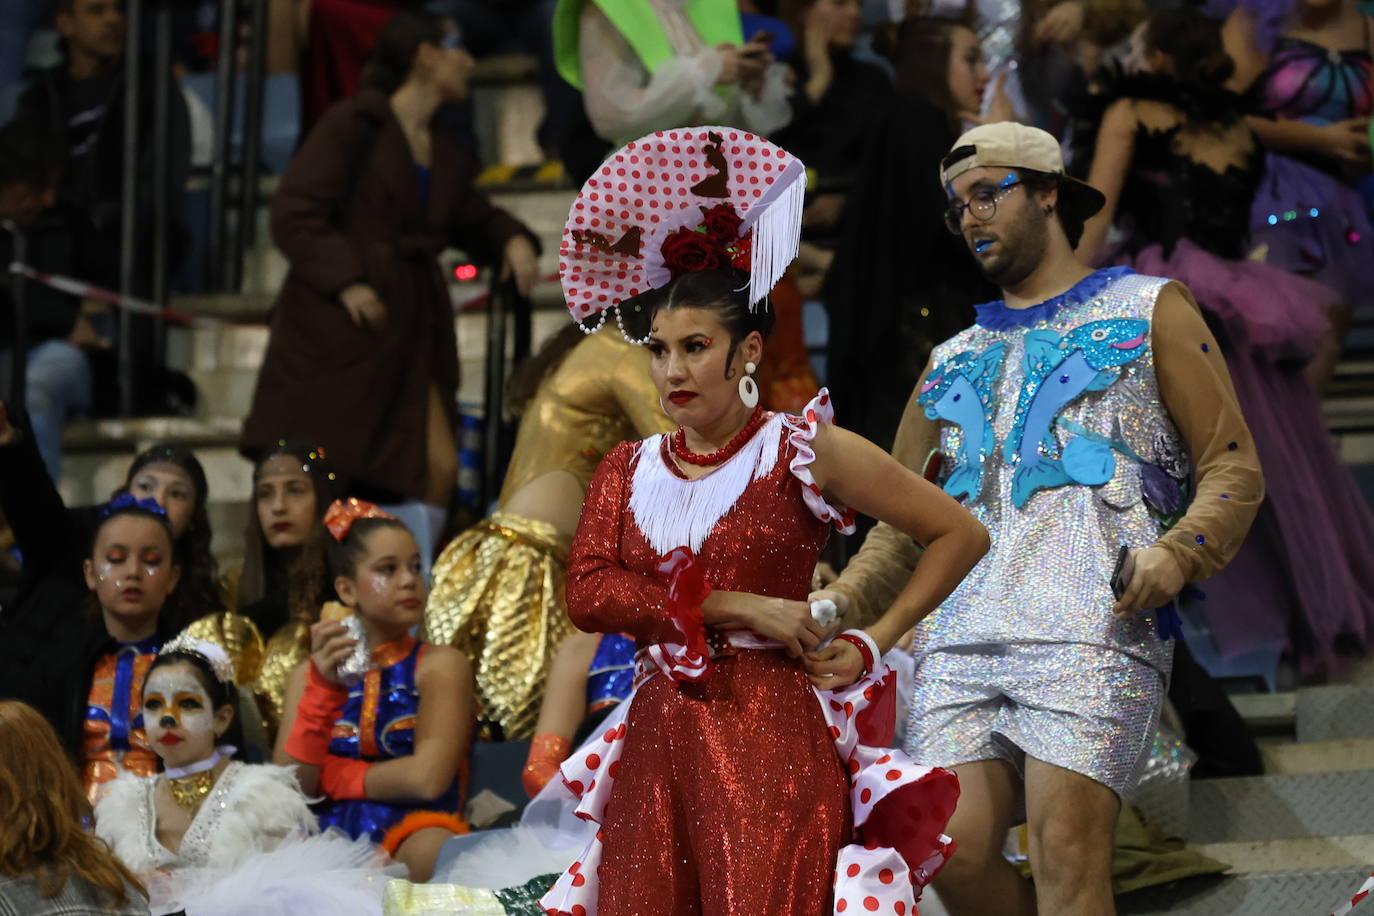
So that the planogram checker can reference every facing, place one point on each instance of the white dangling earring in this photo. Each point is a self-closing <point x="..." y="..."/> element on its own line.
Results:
<point x="748" y="390"/>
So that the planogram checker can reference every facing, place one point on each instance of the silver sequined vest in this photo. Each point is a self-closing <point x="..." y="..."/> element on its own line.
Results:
<point x="1055" y="437"/>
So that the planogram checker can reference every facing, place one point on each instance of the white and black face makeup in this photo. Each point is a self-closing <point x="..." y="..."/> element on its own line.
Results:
<point x="178" y="715"/>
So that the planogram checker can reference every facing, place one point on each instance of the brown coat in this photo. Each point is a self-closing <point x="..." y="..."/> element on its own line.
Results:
<point x="362" y="393"/>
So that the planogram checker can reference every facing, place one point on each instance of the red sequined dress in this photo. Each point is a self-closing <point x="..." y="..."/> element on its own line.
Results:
<point x="727" y="784"/>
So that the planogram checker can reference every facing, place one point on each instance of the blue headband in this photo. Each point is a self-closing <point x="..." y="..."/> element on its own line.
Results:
<point x="126" y="501"/>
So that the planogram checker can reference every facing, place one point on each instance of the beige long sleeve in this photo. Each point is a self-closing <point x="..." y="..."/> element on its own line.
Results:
<point x="1197" y="392"/>
<point x="883" y="565"/>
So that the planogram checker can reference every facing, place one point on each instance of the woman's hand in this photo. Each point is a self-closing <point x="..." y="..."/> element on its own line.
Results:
<point x="820" y="70"/>
<point x="8" y="434"/>
<point x="1061" y="25"/>
<point x="836" y="666"/>
<point x="330" y="644"/>
<point x="744" y="66"/>
<point x="521" y="262"/>
<point x="1155" y="581"/>
<point x="1346" y="141"/>
<point x="364" y="306"/>
<point x="789" y="622"/>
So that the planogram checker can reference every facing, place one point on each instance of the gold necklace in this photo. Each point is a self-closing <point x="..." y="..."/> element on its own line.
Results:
<point x="190" y="791"/>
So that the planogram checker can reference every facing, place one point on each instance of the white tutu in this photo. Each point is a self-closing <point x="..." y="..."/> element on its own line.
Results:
<point x="328" y="873"/>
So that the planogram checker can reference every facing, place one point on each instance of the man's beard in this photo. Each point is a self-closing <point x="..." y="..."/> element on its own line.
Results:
<point x="1024" y="242"/>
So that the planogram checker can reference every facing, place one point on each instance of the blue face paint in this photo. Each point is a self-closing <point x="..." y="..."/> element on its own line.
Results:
<point x="982" y="245"/>
<point x="1011" y="179"/>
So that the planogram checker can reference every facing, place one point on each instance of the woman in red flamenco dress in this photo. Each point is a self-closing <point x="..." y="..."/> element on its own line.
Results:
<point x="749" y="772"/>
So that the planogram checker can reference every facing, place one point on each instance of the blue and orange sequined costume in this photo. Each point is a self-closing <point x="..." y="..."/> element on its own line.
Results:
<point x="112" y="736"/>
<point x="377" y="723"/>
<point x="611" y="675"/>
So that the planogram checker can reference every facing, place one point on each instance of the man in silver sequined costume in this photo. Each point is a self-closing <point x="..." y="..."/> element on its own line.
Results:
<point x="1087" y="412"/>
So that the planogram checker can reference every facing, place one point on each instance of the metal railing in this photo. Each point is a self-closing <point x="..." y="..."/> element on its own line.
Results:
<point x="232" y="220"/>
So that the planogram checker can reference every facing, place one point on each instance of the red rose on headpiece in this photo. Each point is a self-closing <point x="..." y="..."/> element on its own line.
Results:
<point x="722" y="223"/>
<point x="688" y="251"/>
<point x="742" y="252"/>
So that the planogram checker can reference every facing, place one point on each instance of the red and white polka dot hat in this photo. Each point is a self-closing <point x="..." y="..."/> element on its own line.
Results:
<point x="678" y="201"/>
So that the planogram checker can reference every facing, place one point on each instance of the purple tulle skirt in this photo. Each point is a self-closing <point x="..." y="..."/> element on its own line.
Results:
<point x="1305" y="576"/>
<point x="1335" y="247"/>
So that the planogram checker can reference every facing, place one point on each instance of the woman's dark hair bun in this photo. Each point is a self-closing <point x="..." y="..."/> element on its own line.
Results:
<point x="1192" y="42"/>
<point x="394" y="55"/>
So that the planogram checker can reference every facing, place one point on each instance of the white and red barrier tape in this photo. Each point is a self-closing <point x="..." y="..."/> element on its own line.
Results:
<point x="1360" y="896"/>
<point x="90" y="291"/>
<point x="85" y="290"/>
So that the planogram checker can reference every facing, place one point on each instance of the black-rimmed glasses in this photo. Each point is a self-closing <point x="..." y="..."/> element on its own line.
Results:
<point x="982" y="204"/>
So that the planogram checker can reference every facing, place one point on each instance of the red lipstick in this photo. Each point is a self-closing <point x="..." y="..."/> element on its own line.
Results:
<point x="169" y="739"/>
<point x="682" y="397"/>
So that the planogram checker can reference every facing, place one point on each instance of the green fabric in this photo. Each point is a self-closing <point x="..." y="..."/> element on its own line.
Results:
<point x="716" y="21"/>
<point x="524" y="900"/>
<point x="1143" y="857"/>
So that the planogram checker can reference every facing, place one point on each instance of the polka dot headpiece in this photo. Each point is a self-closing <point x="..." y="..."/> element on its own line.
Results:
<point x="675" y="202"/>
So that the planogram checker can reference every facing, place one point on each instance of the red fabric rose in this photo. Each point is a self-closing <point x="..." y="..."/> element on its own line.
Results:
<point x="741" y="253"/>
<point x="721" y="223"/>
<point x="687" y="251"/>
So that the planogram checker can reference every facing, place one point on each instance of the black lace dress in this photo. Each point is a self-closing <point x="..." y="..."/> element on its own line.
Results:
<point x="1304" y="581"/>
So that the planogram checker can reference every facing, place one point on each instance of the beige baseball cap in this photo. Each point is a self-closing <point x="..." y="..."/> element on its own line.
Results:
<point x="1009" y="145"/>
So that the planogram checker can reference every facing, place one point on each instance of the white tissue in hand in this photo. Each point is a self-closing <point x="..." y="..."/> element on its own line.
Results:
<point x="824" y="612"/>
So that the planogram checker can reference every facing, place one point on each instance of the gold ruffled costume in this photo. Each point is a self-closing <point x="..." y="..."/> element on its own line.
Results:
<point x="498" y="588"/>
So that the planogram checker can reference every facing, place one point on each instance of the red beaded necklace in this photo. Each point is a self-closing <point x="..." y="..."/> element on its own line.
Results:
<point x="722" y="454"/>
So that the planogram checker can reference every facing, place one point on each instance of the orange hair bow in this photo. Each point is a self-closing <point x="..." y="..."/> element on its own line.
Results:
<point x="342" y="513"/>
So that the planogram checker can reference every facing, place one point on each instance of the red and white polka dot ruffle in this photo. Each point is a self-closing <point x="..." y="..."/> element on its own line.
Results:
<point x="801" y="433"/>
<point x="900" y="808"/>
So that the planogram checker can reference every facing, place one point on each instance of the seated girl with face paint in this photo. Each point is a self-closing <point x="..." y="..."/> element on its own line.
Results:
<point x="88" y="679"/>
<point x="212" y="834"/>
<point x="380" y="726"/>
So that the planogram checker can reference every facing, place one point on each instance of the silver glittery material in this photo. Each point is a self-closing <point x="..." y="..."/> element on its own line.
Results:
<point x="1047" y="575"/>
<point x="1026" y="658"/>
<point x="1086" y="709"/>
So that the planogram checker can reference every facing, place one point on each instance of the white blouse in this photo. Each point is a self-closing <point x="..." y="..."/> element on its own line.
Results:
<point x="624" y="101"/>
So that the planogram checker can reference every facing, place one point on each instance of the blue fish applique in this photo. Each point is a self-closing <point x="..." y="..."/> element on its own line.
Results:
<point x="959" y="391"/>
<point x="1057" y="371"/>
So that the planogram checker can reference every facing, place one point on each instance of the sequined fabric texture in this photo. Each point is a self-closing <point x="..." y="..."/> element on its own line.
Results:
<point x="287" y="648"/>
<point x="1046" y="577"/>
<point x="730" y="798"/>
<point x="112" y="737"/>
<point x="1083" y="708"/>
<point x="377" y="722"/>
<point x="600" y="395"/>
<point x="498" y="597"/>
<point x="238" y="637"/>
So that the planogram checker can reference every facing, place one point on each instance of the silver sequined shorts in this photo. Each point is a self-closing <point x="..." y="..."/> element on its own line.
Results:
<point x="1084" y="708"/>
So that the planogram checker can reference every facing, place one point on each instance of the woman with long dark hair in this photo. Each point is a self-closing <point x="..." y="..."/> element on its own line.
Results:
<point x="285" y="575"/>
<point x="899" y="283"/>
<point x="362" y="358"/>
<point x="49" y="863"/>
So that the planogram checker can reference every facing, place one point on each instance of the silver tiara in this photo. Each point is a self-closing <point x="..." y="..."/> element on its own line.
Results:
<point x="214" y="656"/>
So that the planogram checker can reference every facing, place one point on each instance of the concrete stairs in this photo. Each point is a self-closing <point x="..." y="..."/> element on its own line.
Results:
<point x="1299" y="839"/>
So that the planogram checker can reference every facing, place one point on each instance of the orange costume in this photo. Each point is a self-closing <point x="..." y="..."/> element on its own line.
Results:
<point x="112" y="738"/>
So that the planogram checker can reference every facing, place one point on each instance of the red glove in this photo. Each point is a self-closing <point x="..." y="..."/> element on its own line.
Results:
<point x="315" y="717"/>
<point x="546" y="753"/>
<point x="343" y="778"/>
